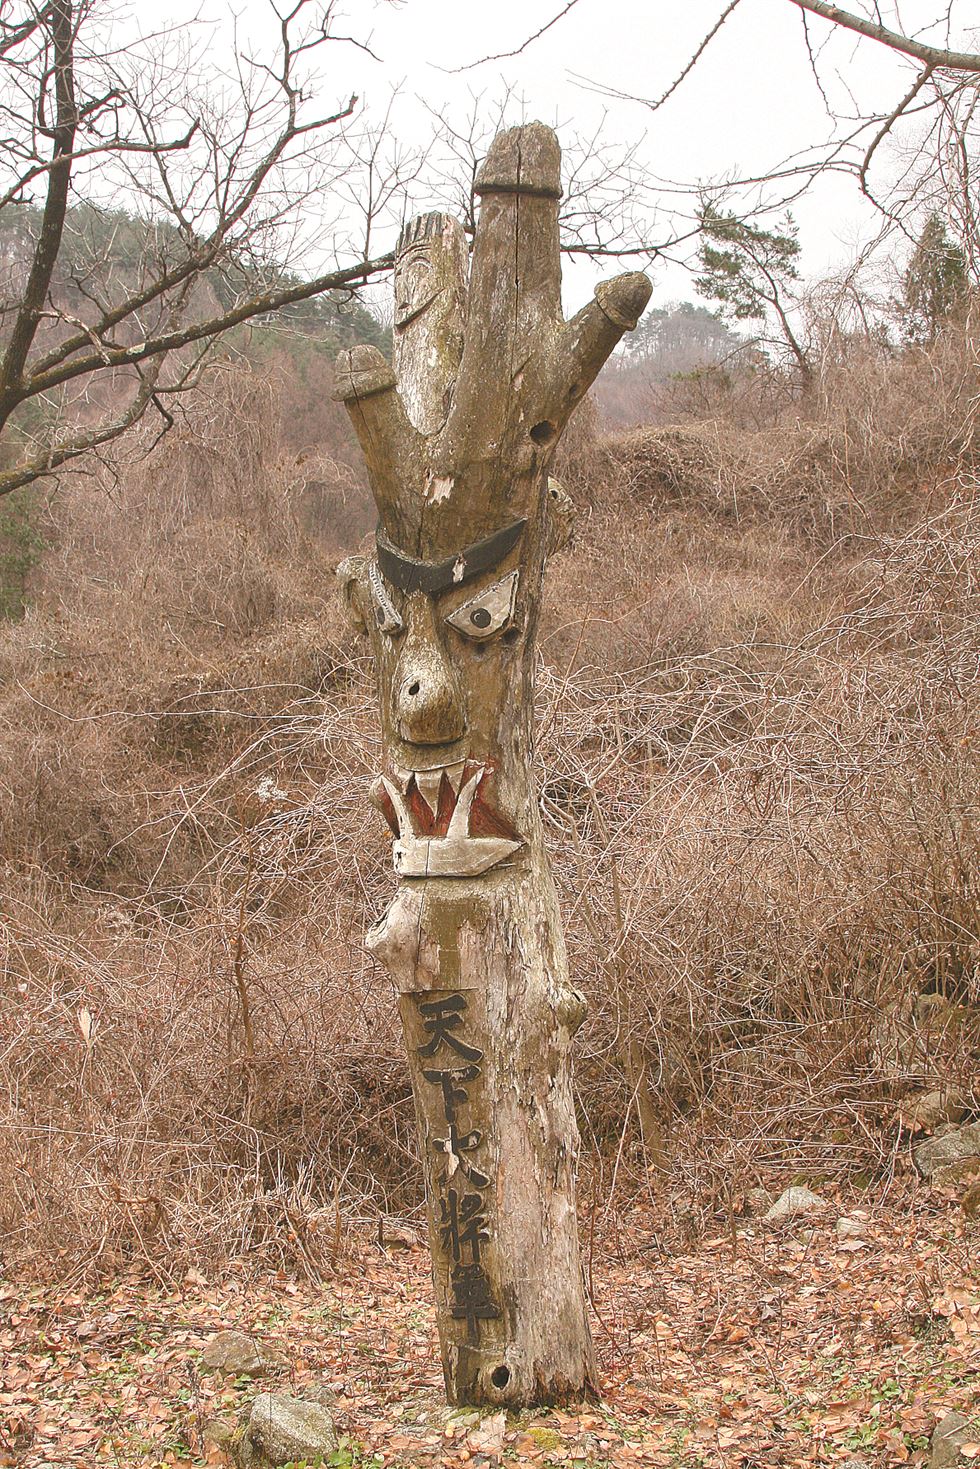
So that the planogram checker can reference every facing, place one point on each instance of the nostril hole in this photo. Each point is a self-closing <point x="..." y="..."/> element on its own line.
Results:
<point x="500" y="1376"/>
<point x="413" y="689"/>
<point x="543" y="433"/>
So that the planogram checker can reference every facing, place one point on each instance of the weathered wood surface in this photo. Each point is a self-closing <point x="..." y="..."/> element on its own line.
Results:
<point x="458" y="446"/>
<point x="430" y="297"/>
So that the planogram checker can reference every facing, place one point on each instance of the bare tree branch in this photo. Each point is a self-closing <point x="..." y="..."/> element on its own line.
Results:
<point x="115" y="146"/>
<point x="58" y="454"/>
<point x="696" y="57"/>
<point x="256" y="305"/>
<point x="77" y="115"/>
<point x="889" y="123"/>
<point x="934" y="56"/>
<point x="506" y="55"/>
<point x="60" y="25"/>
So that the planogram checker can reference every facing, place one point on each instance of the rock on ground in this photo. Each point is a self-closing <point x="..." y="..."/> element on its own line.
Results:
<point x="950" y="1434"/>
<point x="970" y="1203"/>
<point x="219" y="1432"/>
<point x="927" y="1110"/>
<point x="795" y="1201"/>
<point x="945" y="1157"/>
<point x="239" y="1354"/>
<point x="757" y="1200"/>
<point x="284" y="1430"/>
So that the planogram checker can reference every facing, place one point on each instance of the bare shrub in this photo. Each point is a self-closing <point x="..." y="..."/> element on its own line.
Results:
<point x="758" y="759"/>
<point x="877" y="429"/>
<point x="769" y="851"/>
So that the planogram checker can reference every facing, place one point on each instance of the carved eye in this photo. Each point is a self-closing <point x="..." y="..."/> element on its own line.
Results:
<point x="385" y="612"/>
<point x="489" y="611"/>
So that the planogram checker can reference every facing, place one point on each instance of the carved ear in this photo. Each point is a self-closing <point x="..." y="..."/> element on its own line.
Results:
<point x="352" y="579"/>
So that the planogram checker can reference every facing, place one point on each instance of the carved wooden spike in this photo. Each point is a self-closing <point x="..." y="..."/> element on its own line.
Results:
<point x="519" y="183"/>
<point x="473" y="939"/>
<point x="365" y="384"/>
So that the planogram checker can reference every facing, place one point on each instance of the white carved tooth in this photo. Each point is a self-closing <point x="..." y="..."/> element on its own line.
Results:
<point x="402" y="776"/>
<point x="402" y="814"/>
<point x="455" y="775"/>
<point x="428" y="783"/>
<point x="459" y="825"/>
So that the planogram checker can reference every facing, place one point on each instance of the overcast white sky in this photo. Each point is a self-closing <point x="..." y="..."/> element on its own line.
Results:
<point x="750" y="102"/>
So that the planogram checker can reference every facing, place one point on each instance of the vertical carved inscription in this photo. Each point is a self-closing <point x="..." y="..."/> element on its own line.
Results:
<point x="464" y="1218"/>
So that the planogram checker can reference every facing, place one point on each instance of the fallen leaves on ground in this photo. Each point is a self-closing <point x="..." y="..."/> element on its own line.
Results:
<point x="776" y="1346"/>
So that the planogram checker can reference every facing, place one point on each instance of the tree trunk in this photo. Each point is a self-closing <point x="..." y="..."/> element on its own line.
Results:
<point x="497" y="1125"/>
<point x="458" y="453"/>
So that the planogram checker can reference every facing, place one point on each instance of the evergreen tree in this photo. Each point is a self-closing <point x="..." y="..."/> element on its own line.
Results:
<point x="750" y="271"/>
<point x="679" y="336"/>
<point x="935" y="285"/>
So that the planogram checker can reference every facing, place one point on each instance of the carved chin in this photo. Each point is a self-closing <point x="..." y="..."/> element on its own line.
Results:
<point x="442" y="824"/>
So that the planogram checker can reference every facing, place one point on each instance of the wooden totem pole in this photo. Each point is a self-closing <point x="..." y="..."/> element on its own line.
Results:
<point x="458" y="439"/>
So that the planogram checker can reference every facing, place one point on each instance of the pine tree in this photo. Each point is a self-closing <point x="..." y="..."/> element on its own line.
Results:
<point x="935" y="285"/>
<point x="750" y="271"/>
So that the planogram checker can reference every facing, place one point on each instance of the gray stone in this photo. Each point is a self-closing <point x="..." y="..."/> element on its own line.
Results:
<point x="947" y="1156"/>
<point x="219" y="1431"/>
<point x="239" y="1355"/>
<point x="851" y="1228"/>
<point x="935" y="1015"/>
<point x="757" y="1200"/>
<point x="284" y="1430"/>
<point x="950" y="1434"/>
<point x="793" y="1201"/>
<point x="924" y="1111"/>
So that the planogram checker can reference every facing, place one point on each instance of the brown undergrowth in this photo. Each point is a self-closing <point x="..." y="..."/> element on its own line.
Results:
<point x="758" y="757"/>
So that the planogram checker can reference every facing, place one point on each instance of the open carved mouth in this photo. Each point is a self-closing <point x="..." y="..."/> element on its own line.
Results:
<point x="442" y="824"/>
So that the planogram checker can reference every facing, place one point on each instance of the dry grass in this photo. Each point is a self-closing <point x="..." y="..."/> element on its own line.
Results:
<point x="759" y="764"/>
<point x="774" y="843"/>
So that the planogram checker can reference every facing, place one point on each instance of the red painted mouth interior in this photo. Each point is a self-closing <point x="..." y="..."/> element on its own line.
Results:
<point x="484" y="820"/>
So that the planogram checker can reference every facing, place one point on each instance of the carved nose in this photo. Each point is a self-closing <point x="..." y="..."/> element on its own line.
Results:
<point x="429" y="701"/>
<point x="429" y="706"/>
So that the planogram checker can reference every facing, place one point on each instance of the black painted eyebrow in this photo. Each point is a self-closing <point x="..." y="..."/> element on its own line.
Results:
<point x="433" y="577"/>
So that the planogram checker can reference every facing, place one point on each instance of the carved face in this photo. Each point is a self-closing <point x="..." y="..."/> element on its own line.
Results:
<point x="448" y="639"/>
<point x="430" y="263"/>
<point x="430" y="294"/>
<point x="416" y="283"/>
